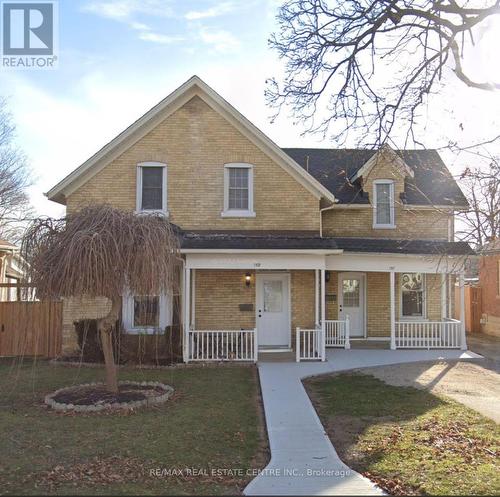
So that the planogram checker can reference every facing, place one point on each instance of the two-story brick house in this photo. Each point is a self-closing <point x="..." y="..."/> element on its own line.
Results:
<point x="341" y="244"/>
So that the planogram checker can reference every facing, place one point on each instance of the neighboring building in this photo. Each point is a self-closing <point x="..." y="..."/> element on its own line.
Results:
<point x="278" y="239"/>
<point x="10" y="270"/>
<point x="489" y="281"/>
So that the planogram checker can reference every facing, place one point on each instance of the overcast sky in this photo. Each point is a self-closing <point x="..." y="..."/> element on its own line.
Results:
<point x="118" y="58"/>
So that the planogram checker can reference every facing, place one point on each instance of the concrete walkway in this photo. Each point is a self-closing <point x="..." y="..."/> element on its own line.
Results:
<point x="303" y="460"/>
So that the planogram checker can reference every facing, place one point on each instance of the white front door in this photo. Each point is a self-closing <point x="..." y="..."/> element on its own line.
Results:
<point x="273" y="309"/>
<point x="352" y="301"/>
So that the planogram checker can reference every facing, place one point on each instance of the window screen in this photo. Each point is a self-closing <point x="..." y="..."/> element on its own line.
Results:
<point x="152" y="188"/>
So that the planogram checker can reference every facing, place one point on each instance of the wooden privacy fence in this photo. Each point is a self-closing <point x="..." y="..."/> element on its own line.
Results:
<point x="31" y="328"/>
<point x="473" y="308"/>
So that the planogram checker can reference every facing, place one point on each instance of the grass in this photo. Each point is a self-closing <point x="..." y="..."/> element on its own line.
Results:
<point x="408" y="441"/>
<point x="213" y="421"/>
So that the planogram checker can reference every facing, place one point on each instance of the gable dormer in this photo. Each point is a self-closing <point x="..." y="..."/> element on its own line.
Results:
<point x="382" y="178"/>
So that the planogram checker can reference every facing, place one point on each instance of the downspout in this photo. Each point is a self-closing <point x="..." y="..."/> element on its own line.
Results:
<point x="330" y="207"/>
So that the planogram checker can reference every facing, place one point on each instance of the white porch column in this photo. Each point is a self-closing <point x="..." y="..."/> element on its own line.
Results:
<point x="392" y="292"/>
<point x="323" y="315"/>
<point x="193" y="298"/>
<point x="187" y="312"/>
<point x="444" y="301"/>
<point x="463" y="339"/>
<point x="316" y="297"/>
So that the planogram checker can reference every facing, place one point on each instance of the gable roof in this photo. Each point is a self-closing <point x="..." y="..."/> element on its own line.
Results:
<point x="432" y="183"/>
<point x="191" y="88"/>
<point x="398" y="163"/>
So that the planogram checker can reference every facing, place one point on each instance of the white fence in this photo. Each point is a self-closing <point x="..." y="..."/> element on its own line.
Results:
<point x="337" y="333"/>
<point x="222" y="345"/>
<point x="428" y="334"/>
<point x="310" y="345"/>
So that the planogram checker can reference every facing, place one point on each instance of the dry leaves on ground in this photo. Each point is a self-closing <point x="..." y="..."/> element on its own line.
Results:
<point x="453" y="437"/>
<point x="98" y="471"/>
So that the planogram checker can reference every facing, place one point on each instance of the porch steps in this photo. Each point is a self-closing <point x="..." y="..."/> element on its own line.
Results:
<point x="370" y="344"/>
<point x="288" y="356"/>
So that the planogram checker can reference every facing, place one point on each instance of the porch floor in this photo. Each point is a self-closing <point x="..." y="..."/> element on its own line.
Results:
<point x="303" y="460"/>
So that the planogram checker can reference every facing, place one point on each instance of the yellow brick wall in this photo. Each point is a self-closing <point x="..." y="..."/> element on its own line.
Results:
<point x="195" y="142"/>
<point x="303" y="299"/>
<point x="378" y="305"/>
<point x="424" y="224"/>
<point x="75" y="309"/>
<point x="218" y="295"/>
<point x="332" y="288"/>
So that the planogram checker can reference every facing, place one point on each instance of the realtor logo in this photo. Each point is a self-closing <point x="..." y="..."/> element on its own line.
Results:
<point x="29" y="35"/>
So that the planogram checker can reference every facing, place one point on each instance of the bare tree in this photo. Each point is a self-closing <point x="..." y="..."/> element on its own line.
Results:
<point x="481" y="222"/>
<point x="101" y="251"/>
<point x="15" y="207"/>
<point x="371" y="64"/>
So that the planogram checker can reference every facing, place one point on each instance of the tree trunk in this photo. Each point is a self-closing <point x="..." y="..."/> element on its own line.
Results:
<point x="105" y="326"/>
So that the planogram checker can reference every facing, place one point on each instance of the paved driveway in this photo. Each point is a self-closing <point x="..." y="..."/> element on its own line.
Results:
<point x="303" y="460"/>
<point x="486" y="345"/>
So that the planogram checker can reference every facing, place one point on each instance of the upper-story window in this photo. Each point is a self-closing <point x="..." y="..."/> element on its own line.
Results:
<point x="152" y="187"/>
<point x="383" y="203"/>
<point x="238" y="190"/>
<point x="412" y="295"/>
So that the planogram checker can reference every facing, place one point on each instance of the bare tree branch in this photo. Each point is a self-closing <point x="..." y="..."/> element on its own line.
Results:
<point x="15" y="209"/>
<point x="337" y="54"/>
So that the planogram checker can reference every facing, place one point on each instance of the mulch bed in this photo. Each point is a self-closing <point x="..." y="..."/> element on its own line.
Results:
<point x="94" y="395"/>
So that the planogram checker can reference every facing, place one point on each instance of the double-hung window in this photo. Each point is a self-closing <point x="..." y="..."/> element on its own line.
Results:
<point x="412" y="295"/>
<point x="152" y="187"/>
<point x="383" y="204"/>
<point x="238" y="190"/>
<point x="146" y="314"/>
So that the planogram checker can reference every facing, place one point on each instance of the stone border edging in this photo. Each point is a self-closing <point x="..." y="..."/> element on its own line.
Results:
<point x="135" y="404"/>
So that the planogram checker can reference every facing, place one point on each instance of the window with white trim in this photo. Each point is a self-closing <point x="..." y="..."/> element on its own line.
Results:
<point x="152" y="187"/>
<point x="383" y="204"/>
<point x="412" y="303"/>
<point x="146" y="314"/>
<point x="238" y="190"/>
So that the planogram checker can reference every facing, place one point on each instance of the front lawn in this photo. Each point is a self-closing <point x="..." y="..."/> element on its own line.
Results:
<point x="408" y="441"/>
<point x="213" y="422"/>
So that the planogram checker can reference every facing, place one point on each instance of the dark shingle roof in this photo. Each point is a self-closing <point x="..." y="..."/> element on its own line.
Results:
<point x="275" y="240"/>
<point x="433" y="184"/>
<point x="384" y="245"/>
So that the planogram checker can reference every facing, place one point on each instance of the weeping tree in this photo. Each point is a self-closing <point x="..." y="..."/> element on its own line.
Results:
<point x="101" y="251"/>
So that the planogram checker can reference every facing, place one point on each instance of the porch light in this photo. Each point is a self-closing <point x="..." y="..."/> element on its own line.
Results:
<point x="327" y="276"/>
<point x="248" y="279"/>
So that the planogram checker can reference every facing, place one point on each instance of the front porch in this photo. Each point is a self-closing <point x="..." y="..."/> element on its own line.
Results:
<point x="237" y="307"/>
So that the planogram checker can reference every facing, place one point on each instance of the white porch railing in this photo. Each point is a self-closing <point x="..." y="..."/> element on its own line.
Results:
<point x="337" y="333"/>
<point x="310" y="344"/>
<point x="222" y="345"/>
<point x="444" y="334"/>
